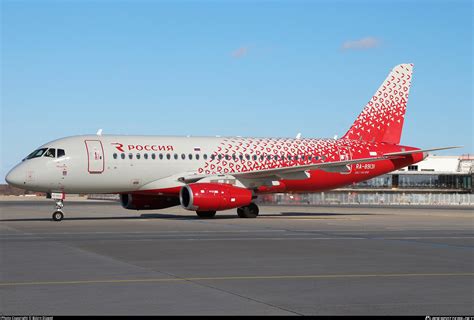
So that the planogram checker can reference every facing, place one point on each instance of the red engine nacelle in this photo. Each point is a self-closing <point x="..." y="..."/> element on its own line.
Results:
<point x="213" y="197"/>
<point x="147" y="202"/>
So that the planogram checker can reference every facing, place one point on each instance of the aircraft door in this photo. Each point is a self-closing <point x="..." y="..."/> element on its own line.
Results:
<point x="344" y="155"/>
<point x="95" y="156"/>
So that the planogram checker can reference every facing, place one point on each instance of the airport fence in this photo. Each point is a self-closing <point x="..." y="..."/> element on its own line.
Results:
<point x="112" y="197"/>
<point x="360" y="198"/>
<point x="351" y="198"/>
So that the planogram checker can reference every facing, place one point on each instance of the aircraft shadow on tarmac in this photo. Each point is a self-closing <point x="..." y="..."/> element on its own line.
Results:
<point x="315" y="214"/>
<point x="287" y="214"/>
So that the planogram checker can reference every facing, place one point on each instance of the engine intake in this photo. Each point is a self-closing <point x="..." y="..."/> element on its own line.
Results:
<point x="213" y="196"/>
<point x="147" y="202"/>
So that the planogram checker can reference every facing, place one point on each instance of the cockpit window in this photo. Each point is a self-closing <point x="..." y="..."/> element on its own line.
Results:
<point x="61" y="153"/>
<point x="51" y="153"/>
<point x="37" y="153"/>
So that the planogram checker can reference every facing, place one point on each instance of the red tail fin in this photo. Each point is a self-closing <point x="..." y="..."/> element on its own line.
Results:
<point x="382" y="118"/>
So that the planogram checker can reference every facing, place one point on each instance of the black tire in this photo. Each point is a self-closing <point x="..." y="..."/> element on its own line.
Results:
<point x="206" y="214"/>
<point x="250" y="211"/>
<point x="58" y="215"/>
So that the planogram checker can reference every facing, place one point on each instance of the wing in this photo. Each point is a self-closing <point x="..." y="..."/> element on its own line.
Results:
<point x="293" y="172"/>
<point x="300" y="172"/>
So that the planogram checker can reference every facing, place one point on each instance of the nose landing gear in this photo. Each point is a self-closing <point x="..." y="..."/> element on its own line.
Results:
<point x="58" y="214"/>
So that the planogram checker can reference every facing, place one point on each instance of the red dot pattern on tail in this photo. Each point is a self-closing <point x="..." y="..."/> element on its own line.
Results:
<point x="382" y="118"/>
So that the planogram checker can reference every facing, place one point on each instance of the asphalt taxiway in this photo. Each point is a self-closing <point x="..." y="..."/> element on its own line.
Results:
<point x="102" y="259"/>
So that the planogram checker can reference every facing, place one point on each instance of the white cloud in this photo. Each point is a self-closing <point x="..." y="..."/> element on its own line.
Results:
<point x="361" y="44"/>
<point x="240" y="52"/>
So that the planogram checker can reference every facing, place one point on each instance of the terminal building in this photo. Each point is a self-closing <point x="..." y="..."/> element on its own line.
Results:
<point x="446" y="174"/>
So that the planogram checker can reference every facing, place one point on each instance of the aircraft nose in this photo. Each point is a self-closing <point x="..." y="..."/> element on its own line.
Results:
<point x="14" y="177"/>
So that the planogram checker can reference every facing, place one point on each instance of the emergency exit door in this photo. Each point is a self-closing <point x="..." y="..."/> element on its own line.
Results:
<point x="345" y="155"/>
<point x="95" y="156"/>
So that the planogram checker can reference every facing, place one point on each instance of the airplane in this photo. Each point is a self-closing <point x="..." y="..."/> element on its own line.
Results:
<point x="210" y="174"/>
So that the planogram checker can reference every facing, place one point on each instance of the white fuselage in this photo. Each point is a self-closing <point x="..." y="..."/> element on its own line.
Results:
<point x="94" y="164"/>
<point x="162" y="164"/>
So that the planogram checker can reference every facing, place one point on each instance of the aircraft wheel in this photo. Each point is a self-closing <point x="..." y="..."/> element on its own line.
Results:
<point x="206" y="214"/>
<point x="250" y="211"/>
<point x="58" y="216"/>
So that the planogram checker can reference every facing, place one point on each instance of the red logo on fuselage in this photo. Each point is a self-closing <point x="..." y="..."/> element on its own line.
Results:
<point x="119" y="146"/>
<point x="141" y="147"/>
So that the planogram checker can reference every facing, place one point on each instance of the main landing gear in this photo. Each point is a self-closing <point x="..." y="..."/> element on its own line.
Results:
<point x="58" y="214"/>
<point x="250" y="211"/>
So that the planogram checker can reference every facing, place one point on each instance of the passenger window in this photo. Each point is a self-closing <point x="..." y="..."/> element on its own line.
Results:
<point x="61" y="153"/>
<point x="161" y="156"/>
<point x="269" y="157"/>
<point x="247" y="157"/>
<point x="168" y="156"/>
<point x="122" y="155"/>
<point x="241" y="157"/>
<point x="254" y="157"/>
<point x="197" y="156"/>
<point x="183" y="156"/>
<point x="213" y="156"/>
<point x="219" y="156"/>
<point x="205" y="156"/>
<point x="276" y="157"/>
<point x="176" y="156"/>
<point x="115" y="155"/>
<point x="153" y="156"/>
<point x="145" y="156"/>
<point x="51" y="153"/>
<point x="190" y="156"/>
<point x="130" y="156"/>
<point x="138" y="156"/>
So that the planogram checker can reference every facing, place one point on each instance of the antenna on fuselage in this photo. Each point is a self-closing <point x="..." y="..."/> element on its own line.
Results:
<point x="298" y="136"/>
<point x="99" y="132"/>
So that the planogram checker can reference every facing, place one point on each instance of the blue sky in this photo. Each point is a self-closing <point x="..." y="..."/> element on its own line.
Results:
<point x="229" y="68"/>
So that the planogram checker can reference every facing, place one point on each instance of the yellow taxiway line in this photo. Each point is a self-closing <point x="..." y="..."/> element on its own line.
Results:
<point x="282" y="277"/>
